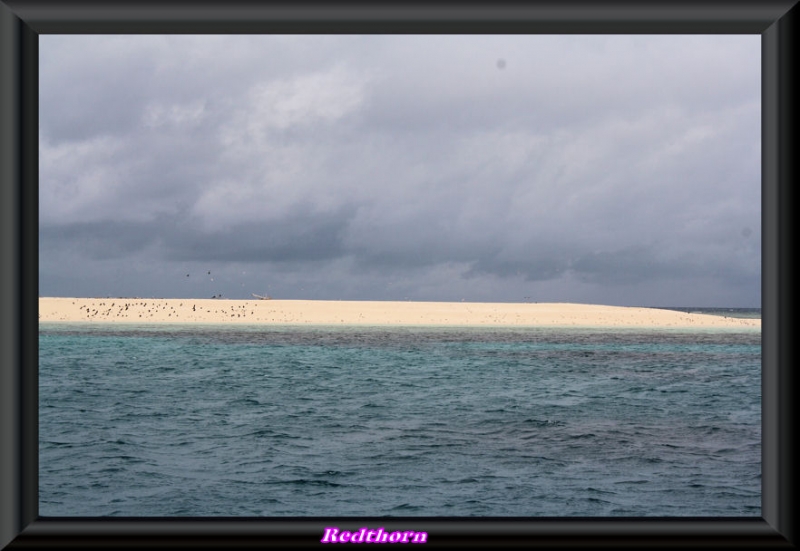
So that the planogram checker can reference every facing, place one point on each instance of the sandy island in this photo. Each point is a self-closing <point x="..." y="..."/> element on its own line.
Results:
<point x="322" y="312"/>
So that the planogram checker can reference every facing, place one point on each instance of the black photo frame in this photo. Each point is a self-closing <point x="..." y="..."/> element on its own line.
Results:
<point x="21" y="21"/>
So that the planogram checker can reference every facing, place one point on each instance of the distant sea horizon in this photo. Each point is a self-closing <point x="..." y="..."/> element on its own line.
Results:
<point x="748" y="313"/>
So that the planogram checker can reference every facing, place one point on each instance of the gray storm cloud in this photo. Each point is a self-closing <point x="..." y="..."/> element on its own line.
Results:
<point x="621" y="169"/>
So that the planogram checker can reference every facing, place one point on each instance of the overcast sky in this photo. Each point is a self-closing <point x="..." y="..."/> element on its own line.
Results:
<point x="606" y="169"/>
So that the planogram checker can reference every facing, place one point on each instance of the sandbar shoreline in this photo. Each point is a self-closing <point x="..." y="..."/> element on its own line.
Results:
<point x="372" y="313"/>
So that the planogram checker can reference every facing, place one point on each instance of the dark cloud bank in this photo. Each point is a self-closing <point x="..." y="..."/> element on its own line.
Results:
<point x="620" y="170"/>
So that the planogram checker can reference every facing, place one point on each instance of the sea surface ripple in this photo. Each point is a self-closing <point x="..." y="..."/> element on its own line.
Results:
<point x="322" y="421"/>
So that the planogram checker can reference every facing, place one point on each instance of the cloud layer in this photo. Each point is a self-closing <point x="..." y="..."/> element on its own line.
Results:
<point x="612" y="169"/>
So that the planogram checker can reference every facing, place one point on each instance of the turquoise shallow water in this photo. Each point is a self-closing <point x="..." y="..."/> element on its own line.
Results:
<point x="321" y="421"/>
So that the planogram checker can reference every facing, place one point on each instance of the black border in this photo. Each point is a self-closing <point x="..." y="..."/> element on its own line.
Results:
<point x="21" y="21"/>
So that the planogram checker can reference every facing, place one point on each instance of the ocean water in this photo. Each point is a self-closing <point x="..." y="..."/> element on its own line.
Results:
<point x="445" y="421"/>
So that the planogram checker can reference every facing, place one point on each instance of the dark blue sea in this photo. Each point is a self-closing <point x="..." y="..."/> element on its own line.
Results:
<point x="447" y="421"/>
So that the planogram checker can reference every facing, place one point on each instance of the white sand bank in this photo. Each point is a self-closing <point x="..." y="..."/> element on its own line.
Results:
<point x="144" y="310"/>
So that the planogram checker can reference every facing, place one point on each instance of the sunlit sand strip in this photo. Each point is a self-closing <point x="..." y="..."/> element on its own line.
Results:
<point x="321" y="312"/>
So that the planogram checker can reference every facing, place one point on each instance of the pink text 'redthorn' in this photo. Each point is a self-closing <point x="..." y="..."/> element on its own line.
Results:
<point x="366" y="535"/>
